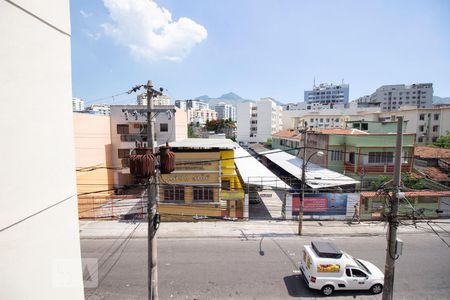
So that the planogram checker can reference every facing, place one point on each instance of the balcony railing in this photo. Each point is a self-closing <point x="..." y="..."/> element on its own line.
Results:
<point x="133" y="137"/>
<point x="374" y="169"/>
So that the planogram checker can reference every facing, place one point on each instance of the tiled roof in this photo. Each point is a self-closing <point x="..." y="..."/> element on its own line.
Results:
<point x="412" y="194"/>
<point x="431" y="152"/>
<point x="436" y="174"/>
<point x="341" y="131"/>
<point x="287" y="133"/>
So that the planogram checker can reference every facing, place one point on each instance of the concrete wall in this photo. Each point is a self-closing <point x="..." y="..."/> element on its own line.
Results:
<point x="39" y="240"/>
<point x="93" y="149"/>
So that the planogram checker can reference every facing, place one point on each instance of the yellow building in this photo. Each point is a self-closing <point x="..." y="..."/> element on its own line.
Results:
<point x="204" y="183"/>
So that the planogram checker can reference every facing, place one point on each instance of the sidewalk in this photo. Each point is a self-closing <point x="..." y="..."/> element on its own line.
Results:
<point x="249" y="229"/>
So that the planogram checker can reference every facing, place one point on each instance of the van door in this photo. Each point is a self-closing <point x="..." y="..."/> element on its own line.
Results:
<point x="359" y="279"/>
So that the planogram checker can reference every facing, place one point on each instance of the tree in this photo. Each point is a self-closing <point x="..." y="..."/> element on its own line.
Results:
<point x="407" y="180"/>
<point x="269" y="143"/>
<point x="443" y="142"/>
<point x="191" y="132"/>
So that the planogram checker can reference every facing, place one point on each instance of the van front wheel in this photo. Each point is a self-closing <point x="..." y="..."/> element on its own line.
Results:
<point x="376" y="288"/>
<point x="327" y="290"/>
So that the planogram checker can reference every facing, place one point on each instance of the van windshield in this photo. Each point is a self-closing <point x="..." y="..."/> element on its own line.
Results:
<point x="361" y="265"/>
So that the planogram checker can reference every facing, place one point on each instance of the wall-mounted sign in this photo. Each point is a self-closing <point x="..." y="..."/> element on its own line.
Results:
<point x="321" y="204"/>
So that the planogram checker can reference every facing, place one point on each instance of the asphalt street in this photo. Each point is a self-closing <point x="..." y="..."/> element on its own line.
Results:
<point x="254" y="268"/>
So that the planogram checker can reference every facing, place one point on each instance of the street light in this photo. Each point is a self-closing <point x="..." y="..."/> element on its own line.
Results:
<point x="302" y="185"/>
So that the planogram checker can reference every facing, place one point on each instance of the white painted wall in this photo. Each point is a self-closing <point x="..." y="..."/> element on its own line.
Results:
<point x="40" y="256"/>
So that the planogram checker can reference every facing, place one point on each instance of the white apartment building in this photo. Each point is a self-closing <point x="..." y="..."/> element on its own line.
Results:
<point x="141" y="99"/>
<point x="129" y="129"/>
<point x="77" y="104"/>
<point x="225" y="111"/>
<point x="392" y="97"/>
<point x="256" y="121"/>
<point x="191" y="104"/>
<point x="427" y="123"/>
<point x="323" y="116"/>
<point x="99" y="109"/>
<point x="40" y="244"/>
<point x="201" y="115"/>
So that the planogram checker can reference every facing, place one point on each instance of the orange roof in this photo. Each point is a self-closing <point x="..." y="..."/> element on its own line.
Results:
<point x="436" y="174"/>
<point x="431" y="152"/>
<point x="341" y="131"/>
<point x="412" y="194"/>
<point x="287" y="133"/>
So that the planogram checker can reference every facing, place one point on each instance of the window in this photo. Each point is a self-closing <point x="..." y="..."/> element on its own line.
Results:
<point x="174" y="194"/>
<point x="422" y="117"/>
<point x="336" y="155"/>
<point x="123" y="129"/>
<point x="364" y="126"/>
<point x="348" y="273"/>
<point x="203" y="194"/>
<point x="163" y="127"/>
<point x="358" y="273"/>
<point x="123" y="153"/>
<point x="435" y="128"/>
<point x="420" y="140"/>
<point x="436" y="117"/>
<point x="356" y="125"/>
<point x="381" y="157"/>
<point x="226" y="185"/>
<point x="351" y="157"/>
<point x="421" y="128"/>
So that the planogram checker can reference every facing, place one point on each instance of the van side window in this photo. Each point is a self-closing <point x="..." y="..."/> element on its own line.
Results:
<point x="348" y="273"/>
<point x="358" y="273"/>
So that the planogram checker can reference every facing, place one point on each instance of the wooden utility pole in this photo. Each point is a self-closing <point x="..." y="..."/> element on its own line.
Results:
<point x="151" y="203"/>
<point x="391" y="251"/>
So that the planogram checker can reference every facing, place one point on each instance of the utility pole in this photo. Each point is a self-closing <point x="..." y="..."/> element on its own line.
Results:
<point x="151" y="203"/>
<point x="302" y="184"/>
<point x="391" y="251"/>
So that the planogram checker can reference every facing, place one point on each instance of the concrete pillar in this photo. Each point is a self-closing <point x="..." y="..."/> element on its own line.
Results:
<point x="246" y="203"/>
<point x="288" y="207"/>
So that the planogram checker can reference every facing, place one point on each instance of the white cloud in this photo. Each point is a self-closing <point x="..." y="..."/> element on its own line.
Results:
<point x="85" y="14"/>
<point x="95" y="36"/>
<point x="149" y="31"/>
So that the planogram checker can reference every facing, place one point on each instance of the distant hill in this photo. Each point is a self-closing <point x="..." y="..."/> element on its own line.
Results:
<point x="441" y="100"/>
<point x="229" y="98"/>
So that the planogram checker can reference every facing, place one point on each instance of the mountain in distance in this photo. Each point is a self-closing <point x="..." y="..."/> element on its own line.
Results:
<point x="441" y="100"/>
<point x="229" y="98"/>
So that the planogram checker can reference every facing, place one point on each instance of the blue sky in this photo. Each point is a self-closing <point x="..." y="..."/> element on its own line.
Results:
<point x="257" y="48"/>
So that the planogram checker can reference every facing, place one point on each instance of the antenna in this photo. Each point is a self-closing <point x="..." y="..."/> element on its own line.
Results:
<point x="314" y="81"/>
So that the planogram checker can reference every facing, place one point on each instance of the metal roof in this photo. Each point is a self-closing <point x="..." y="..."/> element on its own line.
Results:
<point x="316" y="176"/>
<point x="197" y="143"/>
<point x="254" y="172"/>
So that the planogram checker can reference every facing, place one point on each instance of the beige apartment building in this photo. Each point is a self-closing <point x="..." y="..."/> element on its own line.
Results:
<point x="427" y="123"/>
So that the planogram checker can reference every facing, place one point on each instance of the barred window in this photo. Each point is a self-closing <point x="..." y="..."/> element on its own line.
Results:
<point x="123" y="129"/>
<point x="381" y="157"/>
<point x="203" y="194"/>
<point x="174" y="194"/>
<point x="336" y="155"/>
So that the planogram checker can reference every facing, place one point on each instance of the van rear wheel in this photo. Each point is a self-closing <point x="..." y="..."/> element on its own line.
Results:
<point x="327" y="290"/>
<point x="376" y="288"/>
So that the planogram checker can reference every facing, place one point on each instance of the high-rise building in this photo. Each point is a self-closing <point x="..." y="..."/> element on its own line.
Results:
<point x="99" y="109"/>
<point x="328" y="94"/>
<point x="141" y="99"/>
<point x="256" y="121"/>
<point x="225" y="111"/>
<point x="392" y="97"/>
<point x="77" y="104"/>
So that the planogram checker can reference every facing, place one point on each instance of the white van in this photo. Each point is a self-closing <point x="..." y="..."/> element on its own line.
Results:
<point x="324" y="267"/>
